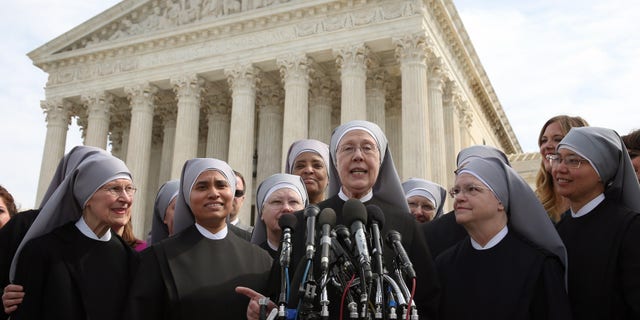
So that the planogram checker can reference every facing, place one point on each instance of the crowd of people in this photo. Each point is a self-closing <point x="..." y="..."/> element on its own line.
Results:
<point x="568" y="249"/>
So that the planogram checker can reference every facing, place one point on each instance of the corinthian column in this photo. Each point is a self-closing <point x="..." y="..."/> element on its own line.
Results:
<point x="320" y="106"/>
<point x="451" y="129"/>
<point x="270" y="132"/>
<point x="393" y="123"/>
<point x="436" y="124"/>
<point x="218" y="117"/>
<point x="352" y="62"/>
<point x="188" y="90"/>
<point x="99" y="105"/>
<point x="411" y="52"/>
<point x="58" y="117"/>
<point x="242" y="81"/>
<point x="168" y="112"/>
<point x="139" y="149"/>
<point x="376" y="90"/>
<point x="294" y="70"/>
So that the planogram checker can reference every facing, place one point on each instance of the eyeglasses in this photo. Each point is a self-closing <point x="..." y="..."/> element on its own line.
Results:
<point x="118" y="191"/>
<point x="569" y="161"/>
<point x="367" y="149"/>
<point x="239" y="193"/>
<point x="424" y="207"/>
<point x="469" y="190"/>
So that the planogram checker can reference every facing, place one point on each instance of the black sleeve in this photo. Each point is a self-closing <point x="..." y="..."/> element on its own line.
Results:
<point x="427" y="284"/>
<point x="33" y="265"/>
<point x="550" y="300"/>
<point x="148" y="297"/>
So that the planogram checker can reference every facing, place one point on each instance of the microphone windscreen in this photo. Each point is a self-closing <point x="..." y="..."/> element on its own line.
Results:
<point x="311" y="210"/>
<point x="354" y="210"/>
<point x="288" y="220"/>
<point x="327" y="216"/>
<point x="374" y="213"/>
<point x="392" y="236"/>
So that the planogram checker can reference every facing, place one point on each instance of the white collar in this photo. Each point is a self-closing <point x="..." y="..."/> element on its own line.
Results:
<point x="365" y="198"/>
<point x="84" y="229"/>
<point x="235" y="221"/>
<point x="275" y="248"/>
<point x="213" y="236"/>
<point x="588" y="207"/>
<point x="493" y="242"/>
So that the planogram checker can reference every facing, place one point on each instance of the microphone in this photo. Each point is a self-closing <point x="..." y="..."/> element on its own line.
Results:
<point x="326" y="220"/>
<point x="344" y="237"/>
<point x="310" y="213"/>
<point x="355" y="214"/>
<point x="376" y="222"/>
<point x="287" y="223"/>
<point x="394" y="241"/>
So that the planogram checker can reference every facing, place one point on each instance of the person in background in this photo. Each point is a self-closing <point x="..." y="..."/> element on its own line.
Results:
<point x="7" y="206"/>
<point x="425" y="198"/>
<point x="632" y="143"/>
<point x="512" y="264"/>
<point x="279" y="194"/>
<point x="238" y="201"/>
<point x="551" y="134"/>
<point x="309" y="159"/>
<point x="592" y="169"/>
<point x="163" y="209"/>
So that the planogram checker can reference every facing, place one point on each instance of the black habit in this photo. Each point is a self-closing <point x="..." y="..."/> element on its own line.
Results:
<point x="192" y="277"/>
<point x="443" y="233"/>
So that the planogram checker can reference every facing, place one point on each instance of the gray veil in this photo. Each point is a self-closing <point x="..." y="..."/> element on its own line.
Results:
<point x="168" y="191"/>
<point x="306" y="145"/>
<point x="436" y="193"/>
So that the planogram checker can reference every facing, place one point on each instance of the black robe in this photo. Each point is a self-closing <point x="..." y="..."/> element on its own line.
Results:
<point x="512" y="280"/>
<point x="443" y="233"/>
<point x="191" y="277"/>
<point x="67" y="275"/>
<point x="604" y="262"/>
<point x="273" y="253"/>
<point x="427" y="288"/>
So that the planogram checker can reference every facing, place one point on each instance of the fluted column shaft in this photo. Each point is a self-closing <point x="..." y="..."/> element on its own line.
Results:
<point x="242" y="81"/>
<point x="188" y="90"/>
<point x="320" y="106"/>
<point x="436" y="128"/>
<point x="393" y="125"/>
<point x="168" y="144"/>
<point x="139" y="149"/>
<point x="352" y="62"/>
<point x="99" y="107"/>
<point x="270" y="133"/>
<point x="411" y="52"/>
<point x="376" y="91"/>
<point x="218" y="134"/>
<point x="58" y="117"/>
<point x="451" y="131"/>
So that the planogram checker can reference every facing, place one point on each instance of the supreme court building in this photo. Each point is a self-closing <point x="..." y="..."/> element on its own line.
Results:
<point x="158" y="82"/>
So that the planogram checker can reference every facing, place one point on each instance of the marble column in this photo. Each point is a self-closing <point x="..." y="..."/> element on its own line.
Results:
<point x="99" y="106"/>
<point x="411" y="52"/>
<point x="218" y="117"/>
<point x="294" y="70"/>
<point x="393" y="123"/>
<point x="139" y="149"/>
<point x="436" y="124"/>
<point x="352" y="62"/>
<point x="451" y="130"/>
<point x="270" y="132"/>
<point x="168" y="112"/>
<point x="58" y="117"/>
<point x="242" y="81"/>
<point x="320" y="106"/>
<point x="466" y="121"/>
<point x="188" y="90"/>
<point x="376" y="91"/>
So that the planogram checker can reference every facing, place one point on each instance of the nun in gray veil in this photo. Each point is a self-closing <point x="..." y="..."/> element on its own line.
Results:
<point x="513" y="257"/>
<point x="162" y="226"/>
<point x="309" y="159"/>
<point x="425" y="198"/>
<point x="602" y="232"/>
<point x="70" y="263"/>
<point x="267" y="233"/>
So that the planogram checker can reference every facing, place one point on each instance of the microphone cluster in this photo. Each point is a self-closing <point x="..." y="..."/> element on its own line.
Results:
<point x="351" y="263"/>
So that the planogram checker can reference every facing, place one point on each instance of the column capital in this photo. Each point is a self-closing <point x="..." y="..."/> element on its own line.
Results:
<point x="141" y="94"/>
<point x="98" y="103"/>
<point x="188" y="86"/>
<point x="355" y="56"/>
<point x="378" y="79"/>
<point x="413" y="48"/>
<point x="57" y="110"/>
<point x="243" y="76"/>
<point x="295" y="66"/>
<point x="271" y="99"/>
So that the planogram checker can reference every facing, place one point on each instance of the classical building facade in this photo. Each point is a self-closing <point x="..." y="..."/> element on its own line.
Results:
<point x="162" y="81"/>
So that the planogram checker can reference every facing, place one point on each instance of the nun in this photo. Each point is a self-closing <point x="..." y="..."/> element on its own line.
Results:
<point x="425" y="198"/>
<point x="277" y="195"/>
<point x="309" y="159"/>
<point x="163" y="210"/>
<point x="192" y="275"/>
<point x="512" y="263"/>
<point x="71" y="263"/>
<point x="602" y="232"/>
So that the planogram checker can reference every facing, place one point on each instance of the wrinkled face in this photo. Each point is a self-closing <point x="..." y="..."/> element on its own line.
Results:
<point x="112" y="208"/>
<point x="168" y="215"/>
<point x="421" y="208"/>
<point x="358" y="163"/>
<point x="474" y="203"/>
<point x="635" y="161"/>
<point x="579" y="185"/>
<point x="282" y="201"/>
<point x="310" y="166"/>
<point x="211" y="199"/>
<point x="238" y="201"/>
<point x="549" y="141"/>
<point x="4" y="213"/>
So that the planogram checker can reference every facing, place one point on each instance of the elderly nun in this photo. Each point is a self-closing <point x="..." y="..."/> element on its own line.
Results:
<point x="602" y="232"/>
<point x="425" y="198"/>
<point x="309" y="159"/>
<point x="279" y="194"/>
<point x="71" y="263"/>
<point x="192" y="275"/>
<point x="163" y="210"/>
<point x="512" y="264"/>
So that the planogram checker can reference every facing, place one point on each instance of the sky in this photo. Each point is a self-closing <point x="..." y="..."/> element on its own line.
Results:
<point x="543" y="58"/>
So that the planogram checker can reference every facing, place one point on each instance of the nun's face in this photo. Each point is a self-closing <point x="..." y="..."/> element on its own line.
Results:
<point x="421" y="208"/>
<point x="169" y="213"/>
<point x="550" y="139"/>
<point x="211" y="200"/>
<point x="110" y="206"/>
<point x="580" y="185"/>
<point x="282" y="201"/>
<point x="310" y="166"/>
<point x="358" y="163"/>
<point x="475" y="204"/>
